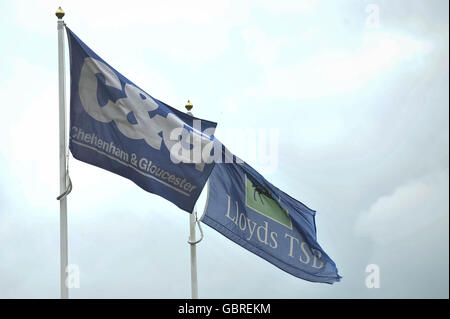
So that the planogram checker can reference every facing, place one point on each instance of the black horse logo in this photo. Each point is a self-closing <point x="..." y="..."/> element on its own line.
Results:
<point x="260" y="190"/>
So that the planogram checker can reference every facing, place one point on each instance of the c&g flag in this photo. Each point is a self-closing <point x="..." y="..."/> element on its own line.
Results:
<point x="117" y="126"/>
<point x="253" y="213"/>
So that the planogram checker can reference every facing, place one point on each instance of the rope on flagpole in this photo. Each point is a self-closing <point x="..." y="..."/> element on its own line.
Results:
<point x="68" y="189"/>
<point x="69" y="186"/>
<point x="199" y="228"/>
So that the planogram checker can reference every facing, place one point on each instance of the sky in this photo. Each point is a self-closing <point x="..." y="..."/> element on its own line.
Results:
<point x="350" y="97"/>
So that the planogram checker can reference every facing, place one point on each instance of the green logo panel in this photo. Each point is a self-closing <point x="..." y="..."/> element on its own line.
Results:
<point x="265" y="205"/>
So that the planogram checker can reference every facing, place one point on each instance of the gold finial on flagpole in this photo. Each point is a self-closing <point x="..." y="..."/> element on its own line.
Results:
<point x="189" y="105"/>
<point x="59" y="13"/>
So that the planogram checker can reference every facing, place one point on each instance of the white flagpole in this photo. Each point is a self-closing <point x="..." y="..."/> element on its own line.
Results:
<point x="62" y="157"/>
<point x="194" y="284"/>
<point x="192" y="239"/>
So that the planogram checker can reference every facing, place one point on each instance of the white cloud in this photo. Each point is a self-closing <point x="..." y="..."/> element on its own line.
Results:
<point x="409" y="211"/>
<point x="410" y="238"/>
<point x="99" y="14"/>
<point x="338" y="71"/>
<point x="261" y="48"/>
<point x="189" y="31"/>
<point x="288" y="6"/>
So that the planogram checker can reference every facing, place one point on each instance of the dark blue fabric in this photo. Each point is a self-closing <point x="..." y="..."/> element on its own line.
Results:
<point x="292" y="247"/>
<point x="118" y="156"/>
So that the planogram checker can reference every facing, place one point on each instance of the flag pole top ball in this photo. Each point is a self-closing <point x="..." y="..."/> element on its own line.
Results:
<point x="59" y="13"/>
<point x="189" y="105"/>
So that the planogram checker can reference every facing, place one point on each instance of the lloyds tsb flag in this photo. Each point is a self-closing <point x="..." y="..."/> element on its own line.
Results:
<point x="247" y="209"/>
<point x="119" y="127"/>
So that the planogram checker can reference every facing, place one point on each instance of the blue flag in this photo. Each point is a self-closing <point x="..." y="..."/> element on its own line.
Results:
<point x="253" y="213"/>
<point x="117" y="126"/>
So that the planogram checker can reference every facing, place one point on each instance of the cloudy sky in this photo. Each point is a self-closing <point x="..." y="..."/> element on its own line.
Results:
<point x="356" y="93"/>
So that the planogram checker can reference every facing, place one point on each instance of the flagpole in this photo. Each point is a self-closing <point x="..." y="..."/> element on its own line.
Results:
<point x="192" y="240"/>
<point x="194" y="283"/>
<point x="62" y="158"/>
